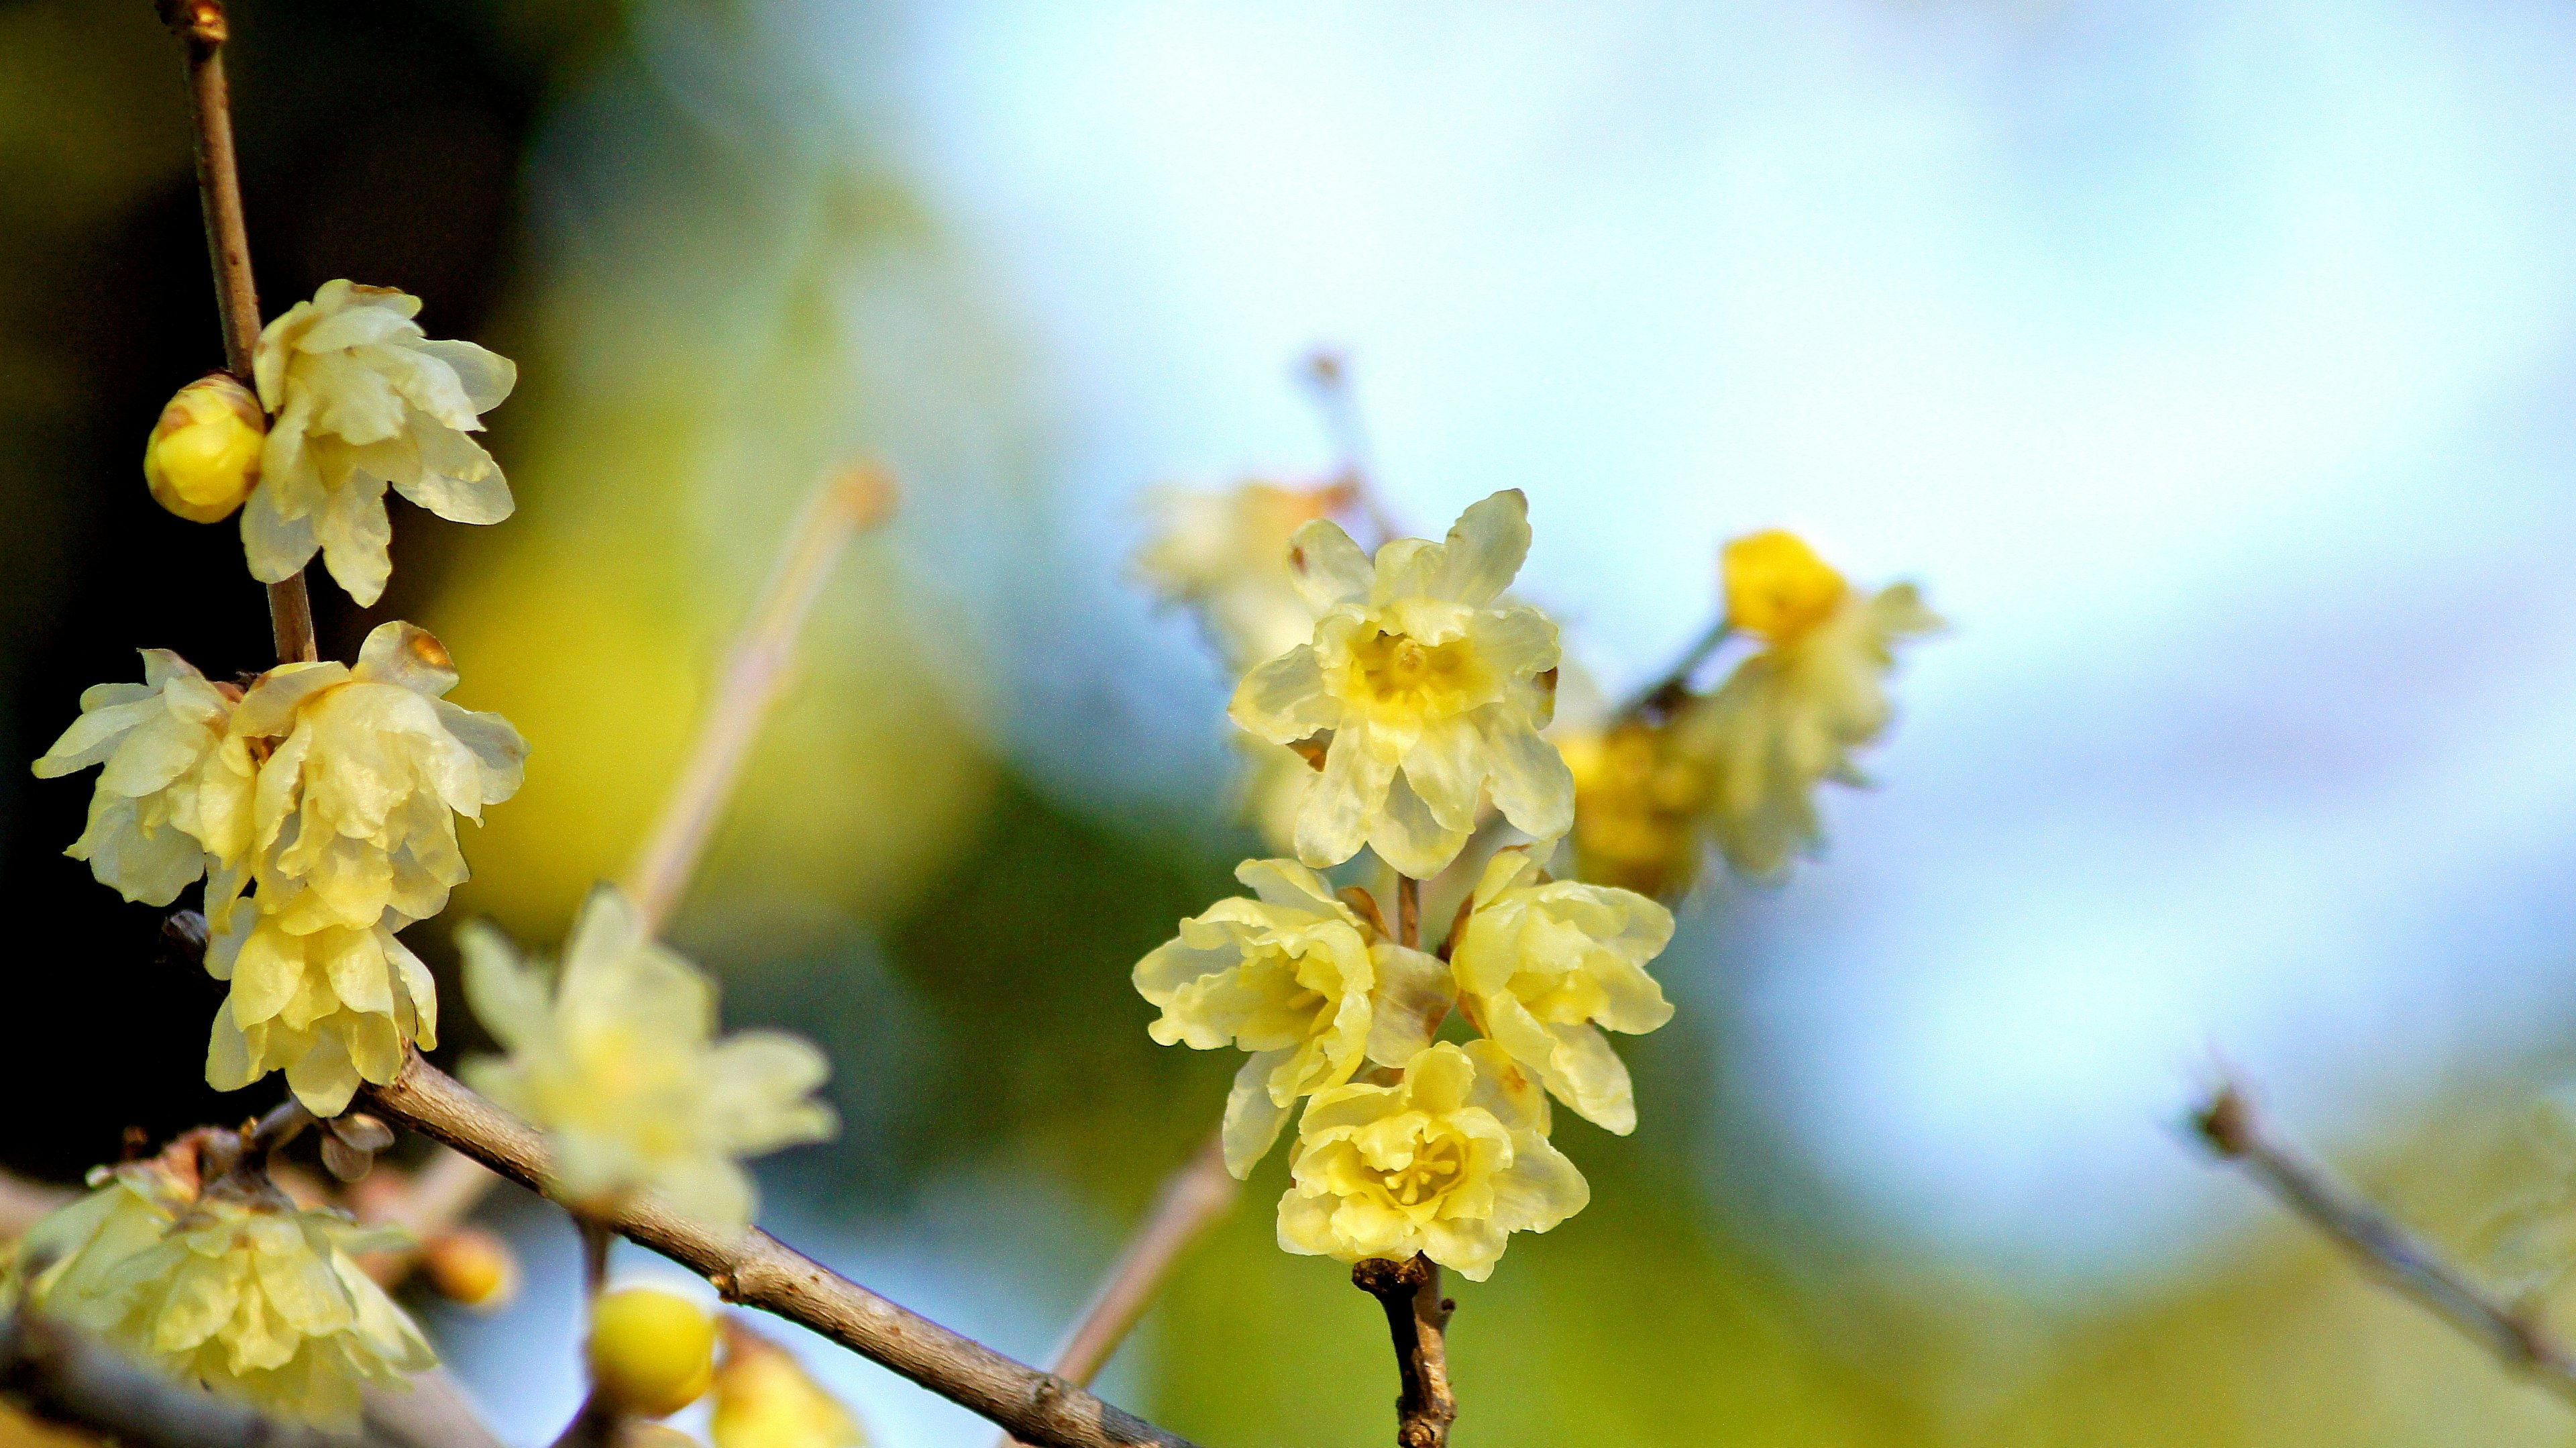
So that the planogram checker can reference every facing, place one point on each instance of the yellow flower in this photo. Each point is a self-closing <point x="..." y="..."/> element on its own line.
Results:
<point x="364" y="398"/>
<point x="1225" y="555"/>
<point x="203" y="457"/>
<point x="239" y="1291"/>
<point x="175" y="788"/>
<point x="1299" y="980"/>
<point x="1637" y="804"/>
<point x="1448" y="1162"/>
<point x="330" y="1007"/>
<point x="1544" y="966"/>
<point x="355" y="812"/>
<point x="1432" y="695"/>
<point x="765" y="1399"/>
<point x="1790" y="715"/>
<point x="616" y="1062"/>
<point x="650" y="1352"/>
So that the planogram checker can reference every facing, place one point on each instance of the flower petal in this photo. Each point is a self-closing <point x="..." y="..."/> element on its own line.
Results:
<point x="1485" y="549"/>
<point x="1327" y="568"/>
<point x="1252" y="1119"/>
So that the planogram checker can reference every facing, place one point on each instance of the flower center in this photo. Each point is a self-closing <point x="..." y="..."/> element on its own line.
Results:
<point x="1438" y="1166"/>
<point x="1399" y="673"/>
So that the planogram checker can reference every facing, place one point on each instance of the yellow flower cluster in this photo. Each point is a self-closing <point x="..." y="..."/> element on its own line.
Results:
<point x="228" y="1285"/>
<point x="321" y="805"/>
<point x="614" y="1057"/>
<point x="1740" y="766"/>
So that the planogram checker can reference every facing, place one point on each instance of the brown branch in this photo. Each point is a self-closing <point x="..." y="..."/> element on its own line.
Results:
<point x="862" y="497"/>
<point x="202" y="27"/>
<point x="756" y="1270"/>
<point x="1417" y="1318"/>
<point x="1195" y="1197"/>
<point x="2516" y="1336"/>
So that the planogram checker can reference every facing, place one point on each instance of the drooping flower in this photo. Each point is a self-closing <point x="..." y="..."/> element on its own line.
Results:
<point x="175" y="788"/>
<point x="330" y="1007"/>
<point x="237" y="1290"/>
<point x="203" y="455"/>
<point x="355" y="812"/>
<point x="364" y="398"/>
<point x="1224" y="554"/>
<point x="615" y="1060"/>
<point x="766" y="1399"/>
<point x="1545" y="966"/>
<point x="1791" y="715"/>
<point x="1448" y="1162"/>
<point x="1301" y="981"/>
<point x="1431" y="694"/>
<point x="1637" y="806"/>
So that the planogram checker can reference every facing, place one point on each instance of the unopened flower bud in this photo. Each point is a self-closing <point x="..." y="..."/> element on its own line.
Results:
<point x="204" y="453"/>
<point x="652" y="1352"/>
<point x="471" y="1266"/>
<point x="1776" y="586"/>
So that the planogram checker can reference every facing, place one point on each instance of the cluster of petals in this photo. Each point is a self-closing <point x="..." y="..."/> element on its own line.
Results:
<point x="321" y="806"/>
<point x="1299" y="980"/>
<point x="1449" y="1161"/>
<point x="238" y="1291"/>
<point x="1224" y="555"/>
<point x="614" y="1056"/>
<point x="364" y="398"/>
<point x="1424" y="693"/>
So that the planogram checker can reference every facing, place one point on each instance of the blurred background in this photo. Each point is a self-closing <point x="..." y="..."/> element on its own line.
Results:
<point x="2208" y="364"/>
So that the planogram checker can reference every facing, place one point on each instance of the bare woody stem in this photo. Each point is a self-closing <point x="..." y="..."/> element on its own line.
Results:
<point x="202" y="27"/>
<point x="1408" y="912"/>
<point x="1417" y="1318"/>
<point x="756" y="1270"/>
<point x="2516" y="1336"/>
<point x="862" y="497"/>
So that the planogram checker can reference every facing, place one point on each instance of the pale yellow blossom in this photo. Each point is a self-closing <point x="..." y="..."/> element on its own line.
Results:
<point x="363" y="398"/>
<point x="1545" y="966"/>
<point x="1298" y="979"/>
<point x="203" y="456"/>
<point x="616" y="1061"/>
<point x="766" y="1399"/>
<point x="1791" y="715"/>
<point x="1432" y="694"/>
<point x="356" y="806"/>
<point x="1448" y="1162"/>
<point x="330" y="1007"/>
<point x="1637" y="806"/>
<point x="1224" y="554"/>
<point x="234" y="1288"/>
<point x="176" y="787"/>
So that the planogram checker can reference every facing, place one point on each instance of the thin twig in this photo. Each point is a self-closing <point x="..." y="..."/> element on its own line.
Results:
<point x="2516" y="1336"/>
<point x="1408" y="912"/>
<point x="1417" y="1319"/>
<point x="202" y="27"/>
<point x="862" y="497"/>
<point x="1195" y="1197"/>
<point x="1668" y="690"/>
<point x="756" y="1270"/>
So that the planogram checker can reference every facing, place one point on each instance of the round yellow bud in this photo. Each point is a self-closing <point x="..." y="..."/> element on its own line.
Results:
<point x="203" y="456"/>
<point x="1777" y="587"/>
<point x="651" y="1352"/>
<point x="471" y="1266"/>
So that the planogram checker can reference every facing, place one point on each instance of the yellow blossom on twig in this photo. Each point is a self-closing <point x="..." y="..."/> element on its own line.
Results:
<point x="203" y="455"/>
<point x="1224" y="554"/>
<point x="1545" y="966"/>
<point x="330" y="1007"/>
<point x="1425" y="693"/>
<point x="1299" y="980"/>
<point x="363" y="398"/>
<point x="615" y="1059"/>
<point x="1448" y="1162"/>
<point x="766" y="1399"/>
<point x="175" y="787"/>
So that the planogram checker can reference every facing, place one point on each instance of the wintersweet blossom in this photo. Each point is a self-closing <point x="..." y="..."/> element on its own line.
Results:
<point x="356" y="805"/>
<point x="1426" y="693"/>
<point x="175" y="787"/>
<point x="1301" y="981"/>
<point x="1224" y="554"/>
<point x="239" y="1291"/>
<point x="1449" y="1162"/>
<point x="203" y="456"/>
<point x="364" y="398"/>
<point x="1791" y="715"/>
<point x="1545" y="966"/>
<point x="766" y="1399"/>
<point x="615" y="1060"/>
<point x="330" y="1007"/>
<point x="1637" y="806"/>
